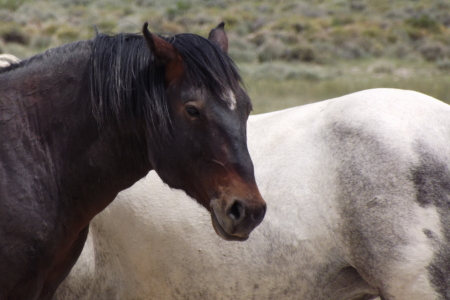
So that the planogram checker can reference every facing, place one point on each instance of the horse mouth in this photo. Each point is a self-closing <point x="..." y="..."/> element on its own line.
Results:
<point x="221" y="232"/>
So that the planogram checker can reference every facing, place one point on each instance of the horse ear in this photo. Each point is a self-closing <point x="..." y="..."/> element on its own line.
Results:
<point x="165" y="54"/>
<point x="219" y="36"/>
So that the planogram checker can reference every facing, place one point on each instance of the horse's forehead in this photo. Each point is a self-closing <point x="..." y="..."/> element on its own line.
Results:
<point x="230" y="98"/>
<point x="227" y="95"/>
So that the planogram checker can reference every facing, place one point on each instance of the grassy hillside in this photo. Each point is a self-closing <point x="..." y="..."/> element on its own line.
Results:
<point x="290" y="52"/>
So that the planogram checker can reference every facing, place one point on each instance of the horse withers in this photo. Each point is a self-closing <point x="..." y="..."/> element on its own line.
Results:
<point x="359" y="195"/>
<point x="81" y="122"/>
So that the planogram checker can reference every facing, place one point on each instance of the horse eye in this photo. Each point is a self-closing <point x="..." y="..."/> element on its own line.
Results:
<point x="192" y="111"/>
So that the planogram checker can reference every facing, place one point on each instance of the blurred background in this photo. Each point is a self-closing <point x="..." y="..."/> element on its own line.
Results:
<point x="290" y="52"/>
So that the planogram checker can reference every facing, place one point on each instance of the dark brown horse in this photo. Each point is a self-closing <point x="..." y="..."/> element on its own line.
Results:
<point x="81" y="122"/>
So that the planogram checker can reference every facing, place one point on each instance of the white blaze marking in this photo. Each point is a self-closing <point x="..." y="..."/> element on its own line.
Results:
<point x="231" y="99"/>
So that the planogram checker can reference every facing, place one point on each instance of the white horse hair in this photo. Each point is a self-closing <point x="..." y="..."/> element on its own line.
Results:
<point x="358" y="193"/>
<point x="7" y="59"/>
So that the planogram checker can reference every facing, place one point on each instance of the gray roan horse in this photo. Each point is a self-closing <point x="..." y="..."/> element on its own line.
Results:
<point x="84" y="121"/>
<point x="358" y="190"/>
<point x="8" y="59"/>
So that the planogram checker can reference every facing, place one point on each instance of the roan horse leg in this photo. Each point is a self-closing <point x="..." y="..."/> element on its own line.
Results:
<point x="402" y="268"/>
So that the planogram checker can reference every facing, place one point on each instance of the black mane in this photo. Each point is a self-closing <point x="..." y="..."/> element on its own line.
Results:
<point x="128" y="86"/>
<point x="206" y="63"/>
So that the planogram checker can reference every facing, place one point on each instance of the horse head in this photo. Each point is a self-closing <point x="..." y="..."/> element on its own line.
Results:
<point x="208" y="108"/>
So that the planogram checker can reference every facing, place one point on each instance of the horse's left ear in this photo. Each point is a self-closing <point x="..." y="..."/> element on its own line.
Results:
<point x="165" y="54"/>
<point x="219" y="36"/>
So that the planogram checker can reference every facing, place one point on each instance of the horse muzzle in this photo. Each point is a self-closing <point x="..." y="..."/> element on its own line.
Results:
<point x="234" y="220"/>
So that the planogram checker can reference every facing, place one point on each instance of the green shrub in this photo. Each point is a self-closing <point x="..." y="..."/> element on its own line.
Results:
<point x="305" y="53"/>
<point x="13" y="33"/>
<point x="11" y="4"/>
<point x="415" y="33"/>
<point x="372" y="32"/>
<point x="181" y="7"/>
<point x="242" y="55"/>
<point x="41" y="42"/>
<point x="272" y="50"/>
<point x="68" y="3"/>
<point x="433" y="51"/>
<point x="392" y="38"/>
<point x="443" y="64"/>
<point x="106" y="24"/>
<point x="259" y="38"/>
<point x="342" y="20"/>
<point x="357" y="5"/>
<point x="67" y="34"/>
<point x="424" y="22"/>
<point x="288" y="38"/>
<point x="230" y="20"/>
<point x="51" y="29"/>
<point x="401" y="51"/>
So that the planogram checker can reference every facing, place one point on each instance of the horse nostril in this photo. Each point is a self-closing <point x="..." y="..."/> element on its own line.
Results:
<point x="236" y="211"/>
<point x="258" y="215"/>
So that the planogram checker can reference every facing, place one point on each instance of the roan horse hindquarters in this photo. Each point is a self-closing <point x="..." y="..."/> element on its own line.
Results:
<point x="358" y="189"/>
<point x="81" y="122"/>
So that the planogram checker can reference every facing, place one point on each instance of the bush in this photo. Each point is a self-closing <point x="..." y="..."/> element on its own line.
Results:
<point x="259" y="38"/>
<point x="11" y="4"/>
<point x="357" y="5"/>
<point x="305" y="53"/>
<point x="415" y="34"/>
<point x="342" y="20"/>
<point x="381" y="68"/>
<point x="443" y="64"/>
<point x="6" y="16"/>
<point x="241" y="50"/>
<point x="272" y="50"/>
<point x="13" y="33"/>
<point x="67" y="34"/>
<point x="41" y="42"/>
<point x="433" y="51"/>
<point x="181" y="7"/>
<point x="349" y="50"/>
<point x="424" y="22"/>
<point x="401" y="51"/>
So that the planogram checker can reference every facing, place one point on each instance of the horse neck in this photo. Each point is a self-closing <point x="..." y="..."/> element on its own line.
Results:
<point x="87" y="164"/>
